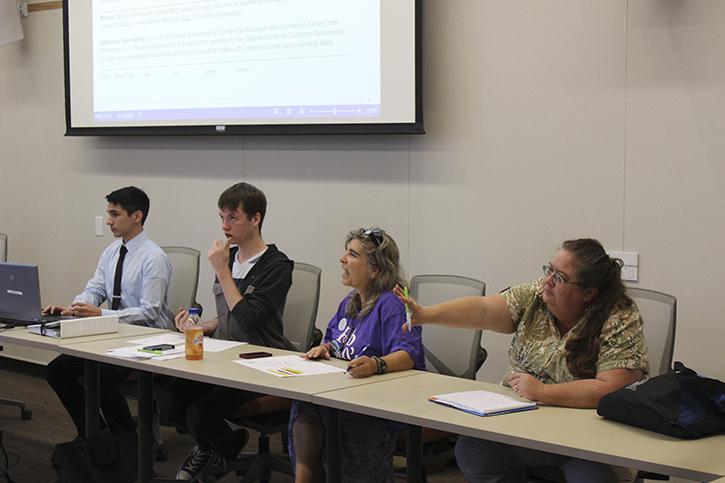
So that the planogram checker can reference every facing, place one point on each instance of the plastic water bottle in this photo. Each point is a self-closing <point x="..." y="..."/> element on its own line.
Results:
<point x="194" y="335"/>
<point x="194" y="315"/>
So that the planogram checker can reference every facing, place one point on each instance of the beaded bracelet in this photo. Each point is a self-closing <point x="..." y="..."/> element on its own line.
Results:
<point x="382" y="365"/>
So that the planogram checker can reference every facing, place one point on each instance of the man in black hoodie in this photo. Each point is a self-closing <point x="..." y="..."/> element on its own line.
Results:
<point x="250" y="290"/>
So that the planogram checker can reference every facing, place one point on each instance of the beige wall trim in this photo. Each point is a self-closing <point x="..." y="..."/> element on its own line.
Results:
<point x="39" y="7"/>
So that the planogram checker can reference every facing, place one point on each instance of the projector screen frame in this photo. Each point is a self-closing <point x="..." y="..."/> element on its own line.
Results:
<point x="415" y="127"/>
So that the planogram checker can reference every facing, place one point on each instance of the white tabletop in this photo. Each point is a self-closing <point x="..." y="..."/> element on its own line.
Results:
<point x="21" y="336"/>
<point x="219" y="368"/>
<point x="574" y="432"/>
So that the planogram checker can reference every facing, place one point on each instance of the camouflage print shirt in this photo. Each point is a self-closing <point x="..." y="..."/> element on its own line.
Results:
<point x="538" y="348"/>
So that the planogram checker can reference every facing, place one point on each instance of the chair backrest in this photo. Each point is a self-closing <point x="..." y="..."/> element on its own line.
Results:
<point x="659" y="314"/>
<point x="3" y="247"/>
<point x="184" y="277"/>
<point x="300" y="310"/>
<point x="453" y="352"/>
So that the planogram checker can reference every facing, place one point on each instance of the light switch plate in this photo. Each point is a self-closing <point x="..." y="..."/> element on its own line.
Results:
<point x="630" y="270"/>
<point x="99" y="226"/>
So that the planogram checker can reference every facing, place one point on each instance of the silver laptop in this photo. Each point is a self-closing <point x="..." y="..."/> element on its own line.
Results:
<point x="20" y="296"/>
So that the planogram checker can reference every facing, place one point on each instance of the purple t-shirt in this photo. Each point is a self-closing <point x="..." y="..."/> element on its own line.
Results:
<point x="379" y="333"/>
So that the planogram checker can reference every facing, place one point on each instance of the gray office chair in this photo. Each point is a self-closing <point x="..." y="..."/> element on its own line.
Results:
<point x="659" y="314"/>
<point x="25" y="414"/>
<point x="184" y="277"/>
<point x="270" y="414"/>
<point x="300" y="310"/>
<point x="181" y="293"/>
<point x="452" y="352"/>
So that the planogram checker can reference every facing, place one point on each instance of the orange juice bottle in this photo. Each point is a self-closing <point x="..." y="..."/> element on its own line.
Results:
<point x="194" y="336"/>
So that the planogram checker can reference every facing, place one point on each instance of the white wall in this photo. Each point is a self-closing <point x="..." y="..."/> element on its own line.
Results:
<point x="545" y="120"/>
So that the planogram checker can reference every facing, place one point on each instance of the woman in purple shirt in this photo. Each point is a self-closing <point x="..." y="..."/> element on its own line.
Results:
<point x="365" y="331"/>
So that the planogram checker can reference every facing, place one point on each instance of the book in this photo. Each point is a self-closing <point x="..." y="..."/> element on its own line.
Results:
<point x="482" y="403"/>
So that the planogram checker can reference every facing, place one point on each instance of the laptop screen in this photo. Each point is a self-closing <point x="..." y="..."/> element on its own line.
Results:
<point x="19" y="291"/>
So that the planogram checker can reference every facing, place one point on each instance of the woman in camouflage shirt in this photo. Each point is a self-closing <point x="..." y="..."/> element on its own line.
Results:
<point x="577" y="337"/>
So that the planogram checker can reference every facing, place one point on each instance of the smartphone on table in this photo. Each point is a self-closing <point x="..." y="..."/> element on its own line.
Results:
<point x="254" y="355"/>
<point x="158" y="347"/>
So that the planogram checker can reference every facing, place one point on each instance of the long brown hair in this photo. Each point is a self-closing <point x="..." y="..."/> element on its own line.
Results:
<point x="383" y="255"/>
<point x="594" y="269"/>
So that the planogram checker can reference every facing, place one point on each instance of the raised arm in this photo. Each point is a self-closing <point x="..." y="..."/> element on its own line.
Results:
<point x="487" y="313"/>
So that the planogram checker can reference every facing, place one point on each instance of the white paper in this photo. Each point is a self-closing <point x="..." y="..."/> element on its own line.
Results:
<point x="290" y="366"/>
<point x="218" y="345"/>
<point x="482" y="403"/>
<point x="134" y="352"/>
<point x="177" y="339"/>
<point x="174" y="338"/>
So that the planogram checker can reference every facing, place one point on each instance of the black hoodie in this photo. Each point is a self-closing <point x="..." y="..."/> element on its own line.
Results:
<point x="257" y="318"/>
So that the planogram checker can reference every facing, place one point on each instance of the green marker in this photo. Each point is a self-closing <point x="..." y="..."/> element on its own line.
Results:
<point x="408" y="313"/>
<point x="151" y="351"/>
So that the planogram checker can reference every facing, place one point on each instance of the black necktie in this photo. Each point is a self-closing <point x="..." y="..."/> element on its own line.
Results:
<point x="116" y="300"/>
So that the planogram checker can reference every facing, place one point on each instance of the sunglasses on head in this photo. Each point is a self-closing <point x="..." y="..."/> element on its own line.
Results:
<point x="375" y="234"/>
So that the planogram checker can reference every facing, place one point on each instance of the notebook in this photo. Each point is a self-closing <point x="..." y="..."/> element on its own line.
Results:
<point x="482" y="403"/>
<point x="20" y="296"/>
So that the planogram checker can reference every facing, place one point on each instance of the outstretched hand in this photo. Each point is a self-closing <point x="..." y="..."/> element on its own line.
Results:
<point x="417" y="311"/>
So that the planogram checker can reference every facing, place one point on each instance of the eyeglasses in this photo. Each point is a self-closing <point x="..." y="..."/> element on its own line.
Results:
<point x="375" y="234"/>
<point x="556" y="276"/>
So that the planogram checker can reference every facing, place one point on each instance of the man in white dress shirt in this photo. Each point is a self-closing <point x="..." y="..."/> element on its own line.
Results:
<point x="133" y="275"/>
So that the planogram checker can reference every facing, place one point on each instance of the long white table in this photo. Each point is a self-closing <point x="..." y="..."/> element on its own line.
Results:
<point x="218" y="368"/>
<point x="579" y="433"/>
<point x="21" y="336"/>
<point x="401" y="397"/>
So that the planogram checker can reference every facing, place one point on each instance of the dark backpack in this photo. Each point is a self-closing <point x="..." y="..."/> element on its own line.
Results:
<point x="106" y="458"/>
<point x="679" y="403"/>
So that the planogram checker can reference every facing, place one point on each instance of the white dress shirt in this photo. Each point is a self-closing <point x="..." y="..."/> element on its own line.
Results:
<point x="144" y="284"/>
